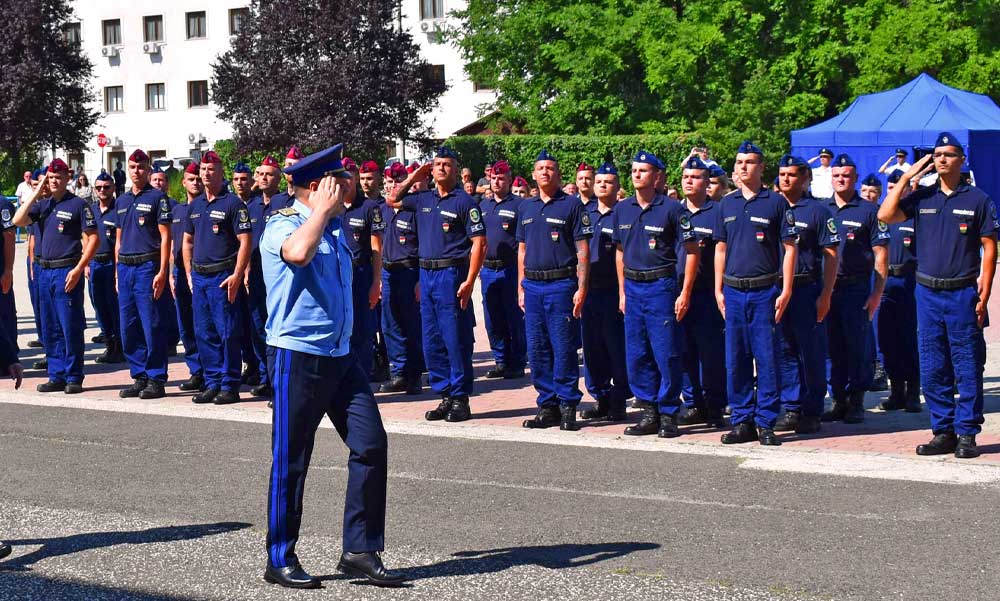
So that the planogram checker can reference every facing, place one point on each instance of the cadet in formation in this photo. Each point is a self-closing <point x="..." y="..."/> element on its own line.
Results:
<point x="451" y="246"/>
<point x="307" y="270"/>
<point x="553" y="232"/>
<point x="31" y="260"/>
<point x="179" y="280"/>
<point x="101" y="273"/>
<point x="8" y="311"/>
<point x="954" y="283"/>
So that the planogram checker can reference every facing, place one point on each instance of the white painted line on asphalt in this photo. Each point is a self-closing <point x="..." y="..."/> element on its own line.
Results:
<point x="811" y="461"/>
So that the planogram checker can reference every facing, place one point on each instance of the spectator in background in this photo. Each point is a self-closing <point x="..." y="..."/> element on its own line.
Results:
<point x="701" y="152"/>
<point x="483" y="185"/>
<point x="466" y="175"/>
<point x="672" y="193"/>
<point x="470" y="189"/>
<point x="871" y="188"/>
<point x="900" y="165"/>
<point x="570" y="189"/>
<point x="24" y="189"/>
<point x="822" y="176"/>
<point x="119" y="175"/>
<point x="83" y="189"/>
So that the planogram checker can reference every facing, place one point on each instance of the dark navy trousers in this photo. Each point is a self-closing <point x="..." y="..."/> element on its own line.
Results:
<point x="504" y="318"/>
<point x="803" y="353"/>
<point x="8" y="316"/>
<point x="363" y="333"/>
<point x="952" y="356"/>
<point x="307" y="387"/>
<point x="401" y="323"/>
<point x="185" y="320"/>
<point x="145" y="322"/>
<point x="752" y="338"/>
<point x="553" y="334"/>
<point x="217" y="331"/>
<point x="254" y="321"/>
<point x="104" y="297"/>
<point x="62" y="314"/>
<point x="36" y="307"/>
<point x="448" y="331"/>
<point x="704" y="354"/>
<point x="851" y="353"/>
<point x="653" y="342"/>
<point x="605" y="370"/>
<point x="897" y="329"/>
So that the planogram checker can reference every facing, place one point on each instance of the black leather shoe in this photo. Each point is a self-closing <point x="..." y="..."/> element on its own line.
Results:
<point x="941" y="444"/>
<point x="414" y="386"/>
<point x="442" y="410"/>
<point x="548" y="416"/>
<point x="99" y="339"/>
<point x="5" y="550"/>
<point x="837" y="412"/>
<point x="40" y="364"/>
<point x="744" y="432"/>
<point x="788" y="422"/>
<point x="855" y="408"/>
<point x="153" y="390"/>
<point x="250" y="378"/>
<point x="691" y="416"/>
<point x="967" y="448"/>
<point x="513" y="373"/>
<point x="668" y="427"/>
<point x="263" y="391"/>
<point x="133" y="390"/>
<point x="459" y="411"/>
<point x="648" y="424"/>
<point x="270" y="404"/>
<point x="35" y="344"/>
<point x="73" y="388"/>
<point x="290" y="577"/>
<point x="808" y="424"/>
<point x="497" y="372"/>
<point x="768" y="438"/>
<point x="207" y="396"/>
<point x="598" y="411"/>
<point x="369" y="565"/>
<point x="913" y="397"/>
<point x="880" y="382"/>
<point x="567" y="418"/>
<point x="226" y="397"/>
<point x="897" y="396"/>
<point x="397" y="384"/>
<point x="195" y="382"/>
<point x="51" y="386"/>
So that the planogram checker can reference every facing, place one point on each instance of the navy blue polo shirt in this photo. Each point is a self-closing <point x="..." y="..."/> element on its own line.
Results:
<point x="282" y="200"/>
<point x="215" y="226"/>
<point x="35" y="231"/>
<point x="399" y="240"/>
<point x="602" y="245"/>
<point x="703" y="226"/>
<point x="817" y="229"/>
<point x="260" y="213"/>
<point x="446" y="224"/>
<point x="753" y="231"/>
<point x="860" y="231"/>
<point x="139" y="218"/>
<point x="60" y="226"/>
<point x="955" y="223"/>
<point x="500" y="218"/>
<point x="550" y="231"/>
<point x="361" y="221"/>
<point x="6" y="222"/>
<point x="178" y="225"/>
<point x="902" y="243"/>
<point x="649" y="236"/>
<point x="107" y="228"/>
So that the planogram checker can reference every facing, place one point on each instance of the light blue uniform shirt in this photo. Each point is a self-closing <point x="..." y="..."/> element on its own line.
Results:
<point x="309" y="308"/>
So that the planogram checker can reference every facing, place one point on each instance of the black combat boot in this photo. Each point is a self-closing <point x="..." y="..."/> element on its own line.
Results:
<point x="789" y="421"/>
<point x="837" y="412"/>
<point x="742" y="432"/>
<point x="942" y="444"/>
<point x="567" y="418"/>
<point x="913" y="396"/>
<point x="138" y="385"/>
<point x="897" y="396"/>
<point x="459" y="411"/>
<point x="598" y="411"/>
<point x="649" y="423"/>
<point x="441" y="411"/>
<point x="548" y="416"/>
<point x="668" y="427"/>
<point x="855" y="408"/>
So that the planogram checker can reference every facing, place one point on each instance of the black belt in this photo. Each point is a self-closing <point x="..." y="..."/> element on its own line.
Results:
<point x="548" y="275"/>
<point x="57" y="263"/>
<point x="945" y="283"/>
<point x="497" y="264"/>
<point x="138" y="259"/>
<point x="903" y="270"/>
<point x="850" y="280"/>
<point x="210" y="268"/>
<point x="649" y="275"/>
<point x="103" y="258"/>
<point x="603" y="282"/>
<point x="400" y="265"/>
<point x="443" y="263"/>
<point x="750" y="283"/>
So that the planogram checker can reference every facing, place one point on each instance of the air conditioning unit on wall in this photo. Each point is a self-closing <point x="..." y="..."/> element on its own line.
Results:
<point x="109" y="51"/>
<point x="151" y="48"/>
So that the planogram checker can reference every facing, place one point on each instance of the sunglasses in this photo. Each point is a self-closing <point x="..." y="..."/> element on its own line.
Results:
<point x="102" y="187"/>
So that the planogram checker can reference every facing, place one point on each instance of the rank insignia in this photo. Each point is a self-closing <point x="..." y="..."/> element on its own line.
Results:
<point x="963" y="227"/>
<point x="760" y="236"/>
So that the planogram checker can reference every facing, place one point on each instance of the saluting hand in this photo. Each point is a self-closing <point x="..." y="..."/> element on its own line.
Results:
<point x="918" y="168"/>
<point x="328" y="197"/>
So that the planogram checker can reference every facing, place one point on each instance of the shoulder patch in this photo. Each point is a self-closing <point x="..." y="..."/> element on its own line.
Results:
<point x="585" y="218"/>
<point x="882" y="227"/>
<point x="685" y="222"/>
<point x="244" y="216"/>
<point x="288" y="211"/>
<point x="831" y="225"/>
<point x="474" y="215"/>
<point x="377" y="216"/>
<point x="789" y="217"/>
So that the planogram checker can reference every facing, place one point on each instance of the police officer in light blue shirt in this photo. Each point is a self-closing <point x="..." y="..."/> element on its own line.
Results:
<point x="307" y="268"/>
<point x="954" y="282"/>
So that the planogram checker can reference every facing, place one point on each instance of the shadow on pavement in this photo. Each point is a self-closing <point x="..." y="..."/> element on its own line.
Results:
<point x="30" y="587"/>
<point x="74" y="543"/>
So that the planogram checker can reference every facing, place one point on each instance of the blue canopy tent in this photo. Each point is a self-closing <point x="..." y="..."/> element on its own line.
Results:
<point x="912" y="115"/>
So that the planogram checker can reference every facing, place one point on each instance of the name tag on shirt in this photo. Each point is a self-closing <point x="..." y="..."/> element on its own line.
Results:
<point x="906" y="229"/>
<point x="217" y="215"/>
<point x="928" y="211"/>
<point x="358" y="222"/>
<point x="965" y="212"/>
<point x="763" y="220"/>
<point x="449" y="214"/>
<point x="729" y="219"/>
<point x="852" y="223"/>
<point x="145" y="208"/>
<point x="653" y="228"/>
<point x="607" y="230"/>
<point x="64" y="215"/>
<point x="555" y="221"/>
<point x="703" y="230"/>
<point x="506" y="213"/>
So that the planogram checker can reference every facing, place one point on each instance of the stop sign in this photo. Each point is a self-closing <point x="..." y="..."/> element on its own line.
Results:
<point x="102" y="140"/>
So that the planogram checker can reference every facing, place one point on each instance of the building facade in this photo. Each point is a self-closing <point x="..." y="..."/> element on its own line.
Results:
<point x="152" y="74"/>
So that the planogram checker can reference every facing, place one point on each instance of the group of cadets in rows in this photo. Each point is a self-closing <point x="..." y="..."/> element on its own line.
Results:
<point x="758" y="300"/>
